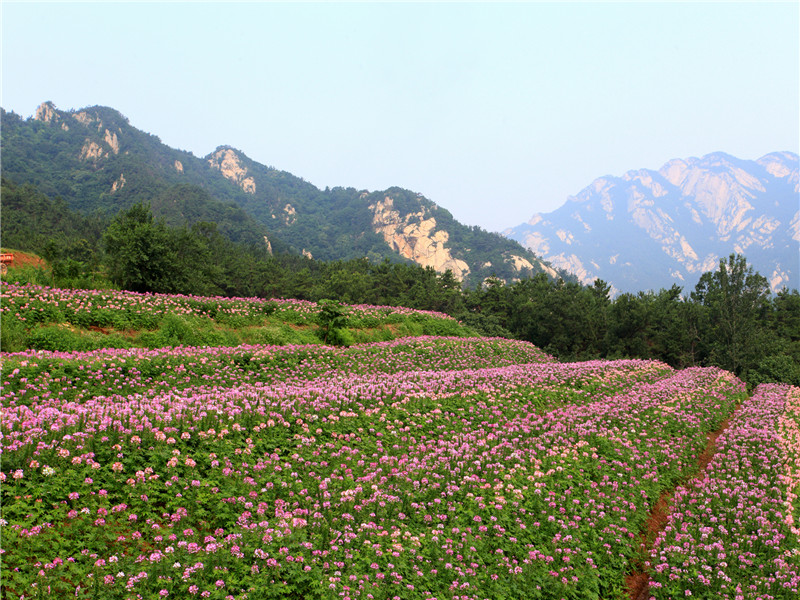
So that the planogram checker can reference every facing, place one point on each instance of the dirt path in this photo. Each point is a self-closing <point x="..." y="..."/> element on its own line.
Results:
<point x="637" y="584"/>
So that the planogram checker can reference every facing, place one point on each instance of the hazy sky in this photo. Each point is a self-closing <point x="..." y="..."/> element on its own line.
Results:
<point x="494" y="111"/>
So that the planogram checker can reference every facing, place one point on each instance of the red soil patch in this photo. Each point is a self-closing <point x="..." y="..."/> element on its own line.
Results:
<point x="24" y="259"/>
<point x="637" y="584"/>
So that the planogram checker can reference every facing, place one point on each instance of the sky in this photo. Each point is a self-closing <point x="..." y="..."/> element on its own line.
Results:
<point x="495" y="111"/>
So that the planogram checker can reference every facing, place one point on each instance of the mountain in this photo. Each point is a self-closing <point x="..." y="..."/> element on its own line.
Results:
<point x="652" y="229"/>
<point x="97" y="162"/>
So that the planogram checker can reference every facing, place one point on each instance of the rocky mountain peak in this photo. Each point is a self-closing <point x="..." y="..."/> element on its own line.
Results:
<point x="780" y="165"/>
<point x="227" y="160"/>
<point x="46" y="112"/>
<point x="649" y="229"/>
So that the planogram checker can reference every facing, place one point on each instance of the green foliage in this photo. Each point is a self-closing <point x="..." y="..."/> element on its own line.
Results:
<point x="140" y="255"/>
<point x="13" y="337"/>
<point x="175" y="330"/>
<point x="442" y="327"/>
<point x="729" y="321"/>
<point x="29" y="274"/>
<point x="735" y="300"/>
<point x="332" y="320"/>
<point x="56" y="338"/>
<point x="775" y="369"/>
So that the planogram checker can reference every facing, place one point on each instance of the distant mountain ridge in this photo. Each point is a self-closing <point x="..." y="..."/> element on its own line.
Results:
<point x="650" y="229"/>
<point x="96" y="161"/>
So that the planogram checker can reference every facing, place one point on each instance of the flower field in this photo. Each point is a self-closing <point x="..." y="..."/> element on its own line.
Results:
<point x="732" y="533"/>
<point x="36" y="305"/>
<point x="425" y="467"/>
<point x="104" y="307"/>
<point x="55" y="319"/>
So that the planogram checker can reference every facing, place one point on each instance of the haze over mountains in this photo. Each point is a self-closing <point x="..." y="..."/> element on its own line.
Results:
<point x="650" y="229"/>
<point x="643" y="230"/>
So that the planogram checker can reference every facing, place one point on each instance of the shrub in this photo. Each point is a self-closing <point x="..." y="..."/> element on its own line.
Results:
<point x="12" y="335"/>
<point x="175" y="330"/>
<point x="332" y="319"/>
<point x="443" y="327"/>
<point x="56" y="338"/>
<point x="775" y="369"/>
<point x="340" y="337"/>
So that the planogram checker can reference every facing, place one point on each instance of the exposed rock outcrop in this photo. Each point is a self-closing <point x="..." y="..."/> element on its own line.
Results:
<point x="92" y="151"/>
<point x="415" y="237"/>
<point x="290" y="214"/>
<point x="228" y="163"/>
<point x="46" y="112"/>
<point x="523" y="264"/>
<point x="112" y="141"/>
<point x="83" y="118"/>
<point x="118" y="184"/>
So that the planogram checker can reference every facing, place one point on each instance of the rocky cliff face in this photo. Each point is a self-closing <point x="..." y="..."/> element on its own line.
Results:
<point x="227" y="162"/>
<point x="650" y="229"/>
<point x="46" y="112"/>
<point x="415" y="237"/>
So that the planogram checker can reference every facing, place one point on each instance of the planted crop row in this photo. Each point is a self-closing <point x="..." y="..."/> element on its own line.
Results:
<point x="34" y="304"/>
<point x="36" y="377"/>
<point x="518" y="481"/>
<point x="731" y="534"/>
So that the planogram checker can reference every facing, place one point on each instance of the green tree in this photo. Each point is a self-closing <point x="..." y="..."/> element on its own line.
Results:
<point x="139" y="253"/>
<point x="736" y="302"/>
<point x="629" y="318"/>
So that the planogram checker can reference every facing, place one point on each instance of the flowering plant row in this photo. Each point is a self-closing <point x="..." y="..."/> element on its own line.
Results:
<point x="34" y="304"/>
<point x="34" y="377"/>
<point x="525" y="480"/>
<point x="731" y="533"/>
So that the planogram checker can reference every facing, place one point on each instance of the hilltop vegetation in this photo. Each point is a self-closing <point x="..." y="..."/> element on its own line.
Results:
<point x="100" y="165"/>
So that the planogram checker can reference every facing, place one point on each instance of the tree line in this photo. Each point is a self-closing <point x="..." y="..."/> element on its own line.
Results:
<point x="730" y="319"/>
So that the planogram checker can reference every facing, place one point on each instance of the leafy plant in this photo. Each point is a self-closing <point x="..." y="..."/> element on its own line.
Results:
<point x="332" y="320"/>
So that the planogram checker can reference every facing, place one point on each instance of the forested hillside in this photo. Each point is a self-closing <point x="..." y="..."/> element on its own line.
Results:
<point x="99" y="164"/>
